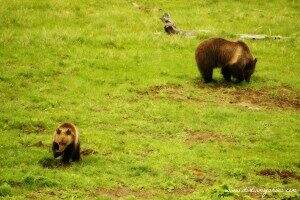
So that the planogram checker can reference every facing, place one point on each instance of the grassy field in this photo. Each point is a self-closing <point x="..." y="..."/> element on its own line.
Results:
<point x="150" y="128"/>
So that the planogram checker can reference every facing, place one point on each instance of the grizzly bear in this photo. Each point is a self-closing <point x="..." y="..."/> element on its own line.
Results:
<point x="234" y="59"/>
<point x="66" y="143"/>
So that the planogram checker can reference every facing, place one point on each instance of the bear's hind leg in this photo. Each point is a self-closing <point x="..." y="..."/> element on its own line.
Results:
<point x="226" y="73"/>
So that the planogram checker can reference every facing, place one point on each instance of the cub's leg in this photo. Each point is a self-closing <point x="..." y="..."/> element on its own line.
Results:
<point x="76" y="153"/>
<point x="55" y="150"/>
<point x="68" y="153"/>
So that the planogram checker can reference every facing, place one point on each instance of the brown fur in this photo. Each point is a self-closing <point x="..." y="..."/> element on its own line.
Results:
<point x="66" y="142"/>
<point x="234" y="59"/>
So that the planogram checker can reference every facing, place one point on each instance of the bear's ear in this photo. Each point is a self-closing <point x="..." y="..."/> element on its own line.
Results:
<point x="68" y="132"/>
<point x="58" y="131"/>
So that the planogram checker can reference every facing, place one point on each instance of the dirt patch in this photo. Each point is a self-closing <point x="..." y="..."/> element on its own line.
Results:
<point x="40" y="128"/>
<point x="282" y="174"/>
<point x="169" y="88"/>
<point x="120" y="192"/>
<point x="201" y="136"/>
<point x="200" y="176"/>
<point x="29" y="127"/>
<point x="39" y="144"/>
<point x="249" y="97"/>
<point x="87" y="152"/>
<point x="281" y="97"/>
<point x="168" y="91"/>
<point x="146" y="9"/>
<point x="145" y="152"/>
<point x="182" y="191"/>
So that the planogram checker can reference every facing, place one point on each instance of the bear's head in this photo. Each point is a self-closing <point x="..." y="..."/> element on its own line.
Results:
<point x="63" y="137"/>
<point x="249" y="69"/>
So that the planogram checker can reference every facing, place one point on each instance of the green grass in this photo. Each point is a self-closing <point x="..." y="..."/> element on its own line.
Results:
<point x="135" y="94"/>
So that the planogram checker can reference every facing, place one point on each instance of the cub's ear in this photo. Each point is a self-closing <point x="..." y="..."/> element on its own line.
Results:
<point x="58" y="131"/>
<point x="68" y="132"/>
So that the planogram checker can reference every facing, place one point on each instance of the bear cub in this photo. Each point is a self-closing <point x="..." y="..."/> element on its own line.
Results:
<point x="66" y="143"/>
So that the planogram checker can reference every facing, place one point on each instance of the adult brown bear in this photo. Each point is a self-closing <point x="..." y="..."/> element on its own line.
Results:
<point x="234" y="58"/>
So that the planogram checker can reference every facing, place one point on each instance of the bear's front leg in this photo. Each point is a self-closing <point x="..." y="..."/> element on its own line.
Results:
<point x="238" y="74"/>
<point x="68" y="153"/>
<point x="55" y="150"/>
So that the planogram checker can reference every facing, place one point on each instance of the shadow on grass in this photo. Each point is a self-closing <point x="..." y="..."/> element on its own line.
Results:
<point x="50" y="162"/>
<point x="198" y="82"/>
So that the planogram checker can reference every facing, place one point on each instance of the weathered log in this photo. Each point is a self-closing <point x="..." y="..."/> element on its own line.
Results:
<point x="169" y="25"/>
<point x="170" y="28"/>
<point x="259" y="37"/>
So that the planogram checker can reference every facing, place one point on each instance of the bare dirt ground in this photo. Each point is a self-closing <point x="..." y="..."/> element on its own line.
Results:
<point x="269" y="98"/>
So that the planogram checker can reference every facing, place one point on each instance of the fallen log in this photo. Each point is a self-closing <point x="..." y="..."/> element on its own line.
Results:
<point x="171" y="29"/>
<point x="169" y="25"/>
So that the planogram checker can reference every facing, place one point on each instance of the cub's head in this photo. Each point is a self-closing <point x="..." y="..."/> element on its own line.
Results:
<point x="249" y="69"/>
<point x="63" y="137"/>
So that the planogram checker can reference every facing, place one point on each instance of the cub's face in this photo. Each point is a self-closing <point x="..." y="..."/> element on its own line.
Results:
<point x="249" y="69"/>
<point x="63" y="137"/>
